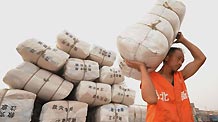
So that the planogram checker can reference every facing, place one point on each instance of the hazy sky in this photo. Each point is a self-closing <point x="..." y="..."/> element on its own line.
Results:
<point x="99" y="22"/>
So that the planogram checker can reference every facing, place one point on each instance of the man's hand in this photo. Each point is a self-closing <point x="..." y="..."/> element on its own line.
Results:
<point x="135" y="64"/>
<point x="179" y="37"/>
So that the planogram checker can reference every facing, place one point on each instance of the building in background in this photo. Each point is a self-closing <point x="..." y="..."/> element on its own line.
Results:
<point x="204" y="115"/>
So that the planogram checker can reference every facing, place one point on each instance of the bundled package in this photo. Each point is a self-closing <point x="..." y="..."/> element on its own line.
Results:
<point x="110" y="113"/>
<point x="42" y="55"/>
<point x="110" y="75"/>
<point x="77" y="70"/>
<point x="137" y="113"/>
<point x="123" y="95"/>
<point x="64" y="111"/>
<point x="72" y="45"/>
<point x="16" y="105"/>
<point x="102" y="56"/>
<point x="149" y="40"/>
<point x="92" y="93"/>
<point x="45" y="84"/>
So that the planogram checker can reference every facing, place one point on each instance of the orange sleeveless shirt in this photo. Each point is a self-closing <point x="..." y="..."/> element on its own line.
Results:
<point x="173" y="103"/>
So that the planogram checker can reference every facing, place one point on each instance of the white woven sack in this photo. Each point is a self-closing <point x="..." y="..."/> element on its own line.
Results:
<point x="110" y="75"/>
<point x="143" y="44"/>
<point x="94" y="94"/>
<point x="72" y="45"/>
<point x="77" y="70"/>
<point x="160" y="24"/>
<point x="42" y="55"/>
<point x="18" y="77"/>
<point x="16" y="105"/>
<point x="137" y="113"/>
<point x="64" y="111"/>
<point x="102" y="56"/>
<point x="122" y="95"/>
<point x="149" y="40"/>
<point x="167" y="14"/>
<point x="46" y="85"/>
<point x="151" y="51"/>
<point x="175" y="5"/>
<point x="111" y="113"/>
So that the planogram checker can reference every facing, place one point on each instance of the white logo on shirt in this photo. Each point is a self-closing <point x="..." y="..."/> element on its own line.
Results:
<point x="184" y="95"/>
<point x="162" y="96"/>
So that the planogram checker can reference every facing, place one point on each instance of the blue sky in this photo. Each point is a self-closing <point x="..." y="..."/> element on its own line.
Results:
<point x="100" y="22"/>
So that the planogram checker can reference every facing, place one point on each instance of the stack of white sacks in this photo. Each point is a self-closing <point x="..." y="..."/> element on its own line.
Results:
<point x="70" y="80"/>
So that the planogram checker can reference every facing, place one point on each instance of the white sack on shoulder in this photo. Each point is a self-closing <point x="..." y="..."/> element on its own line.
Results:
<point x="58" y="111"/>
<point x="150" y="39"/>
<point x="16" y="105"/>
<point x="94" y="94"/>
<point x="77" y="70"/>
<point x="45" y="84"/>
<point x="143" y="44"/>
<point x="159" y="23"/>
<point x="175" y="5"/>
<point x="72" y="45"/>
<point x="169" y="15"/>
<point x="42" y="55"/>
<point x="110" y="75"/>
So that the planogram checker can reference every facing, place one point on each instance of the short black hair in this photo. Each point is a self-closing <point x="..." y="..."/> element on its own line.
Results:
<point x="172" y="50"/>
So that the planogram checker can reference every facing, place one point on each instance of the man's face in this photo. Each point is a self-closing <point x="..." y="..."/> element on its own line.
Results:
<point x="175" y="60"/>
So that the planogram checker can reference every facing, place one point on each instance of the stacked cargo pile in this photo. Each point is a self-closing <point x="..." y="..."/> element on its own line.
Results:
<point x="76" y="82"/>
<point x="65" y="84"/>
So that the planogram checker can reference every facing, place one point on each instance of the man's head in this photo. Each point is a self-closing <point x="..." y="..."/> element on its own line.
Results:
<point x="174" y="58"/>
